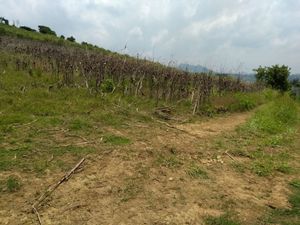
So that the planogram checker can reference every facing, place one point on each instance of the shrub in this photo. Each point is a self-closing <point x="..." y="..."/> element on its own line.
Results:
<point x="71" y="39"/>
<point x="276" y="76"/>
<point x="107" y="86"/>
<point x="46" y="30"/>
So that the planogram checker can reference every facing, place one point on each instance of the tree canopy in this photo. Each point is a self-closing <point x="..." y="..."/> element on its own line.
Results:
<point x="46" y="30"/>
<point x="3" y="20"/>
<point x="72" y="39"/>
<point x="275" y="76"/>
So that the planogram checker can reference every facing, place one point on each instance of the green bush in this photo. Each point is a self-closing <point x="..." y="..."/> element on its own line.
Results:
<point x="46" y="30"/>
<point x="107" y="86"/>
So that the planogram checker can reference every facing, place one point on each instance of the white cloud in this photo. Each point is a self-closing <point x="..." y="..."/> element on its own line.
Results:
<point x="197" y="31"/>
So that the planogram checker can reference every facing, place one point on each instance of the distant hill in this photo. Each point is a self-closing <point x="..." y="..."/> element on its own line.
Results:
<point x="294" y="76"/>
<point x="193" y="68"/>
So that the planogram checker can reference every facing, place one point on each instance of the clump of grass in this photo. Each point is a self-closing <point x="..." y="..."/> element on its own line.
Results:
<point x="169" y="161"/>
<point x="12" y="184"/>
<point x="131" y="189"/>
<point x="197" y="172"/>
<point x="222" y="220"/>
<point x="116" y="140"/>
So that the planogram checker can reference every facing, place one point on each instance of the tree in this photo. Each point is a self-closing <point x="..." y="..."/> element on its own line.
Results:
<point x="62" y="37"/>
<point x="275" y="76"/>
<point x="3" y="20"/>
<point x="72" y="39"/>
<point x="46" y="30"/>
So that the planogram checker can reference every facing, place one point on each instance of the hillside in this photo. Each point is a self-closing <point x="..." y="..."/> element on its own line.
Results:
<point x="157" y="145"/>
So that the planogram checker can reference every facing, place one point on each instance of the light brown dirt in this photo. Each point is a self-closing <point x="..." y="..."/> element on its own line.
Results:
<point x="216" y="126"/>
<point x="128" y="185"/>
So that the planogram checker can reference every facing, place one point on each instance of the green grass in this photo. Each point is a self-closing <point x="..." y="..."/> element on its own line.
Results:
<point x="276" y="118"/>
<point x="266" y="139"/>
<point x="116" y="140"/>
<point x="222" y="220"/>
<point x="197" y="172"/>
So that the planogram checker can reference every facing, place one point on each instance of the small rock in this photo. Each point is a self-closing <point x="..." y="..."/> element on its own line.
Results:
<point x="171" y="178"/>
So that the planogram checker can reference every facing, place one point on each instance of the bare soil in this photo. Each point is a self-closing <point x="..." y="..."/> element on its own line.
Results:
<point x="146" y="182"/>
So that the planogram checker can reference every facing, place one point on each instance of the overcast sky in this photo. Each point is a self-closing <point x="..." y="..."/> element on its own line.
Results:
<point x="227" y="35"/>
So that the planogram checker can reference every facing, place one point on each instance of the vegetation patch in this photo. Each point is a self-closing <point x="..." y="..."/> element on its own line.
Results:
<point x="197" y="172"/>
<point x="275" y="118"/>
<point x="116" y="140"/>
<point x="222" y="220"/>
<point x="169" y="161"/>
<point x="11" y="184"/>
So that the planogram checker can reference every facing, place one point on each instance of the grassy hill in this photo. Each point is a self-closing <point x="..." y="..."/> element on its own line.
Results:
<point x="162" y="146"/>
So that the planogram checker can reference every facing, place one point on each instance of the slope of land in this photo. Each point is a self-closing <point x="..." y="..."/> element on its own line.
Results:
<point x="137" y="170"/>
<point x="191" y="153"/>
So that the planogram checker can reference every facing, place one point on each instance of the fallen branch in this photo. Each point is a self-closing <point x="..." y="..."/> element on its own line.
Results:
<point x="230" y="156"/>
<point x="37" y="214"/>
<point x="53" y="187"/>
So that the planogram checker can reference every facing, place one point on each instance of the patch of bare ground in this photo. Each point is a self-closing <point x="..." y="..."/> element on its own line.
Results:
<point x="152" y="180"/>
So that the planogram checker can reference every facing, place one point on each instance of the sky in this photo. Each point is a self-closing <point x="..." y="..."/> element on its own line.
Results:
<point x="224" y="35"/>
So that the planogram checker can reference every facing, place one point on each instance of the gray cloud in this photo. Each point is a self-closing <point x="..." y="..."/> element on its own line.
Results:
<point x="222" y="34"/>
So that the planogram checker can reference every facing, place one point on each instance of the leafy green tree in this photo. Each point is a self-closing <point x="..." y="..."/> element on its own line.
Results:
<point x="72" y="39"/>
<point x="3" y="20"/>
<point x="46" y="30"/>
<point x="275" y="76"/>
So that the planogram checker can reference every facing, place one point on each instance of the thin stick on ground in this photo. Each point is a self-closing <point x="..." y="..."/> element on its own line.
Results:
<point x="230" y="156"/>
<point x="50" y="190"/>
<point x="37" y="214"/>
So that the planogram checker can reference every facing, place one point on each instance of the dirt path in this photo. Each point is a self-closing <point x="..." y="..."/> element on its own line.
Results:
<point x="215" y="126"/>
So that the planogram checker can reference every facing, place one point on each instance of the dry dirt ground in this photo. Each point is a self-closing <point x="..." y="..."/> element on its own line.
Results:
<point x="147" y="182"/>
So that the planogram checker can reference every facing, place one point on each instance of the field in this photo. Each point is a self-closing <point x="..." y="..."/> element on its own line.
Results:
<point x="229" y="157"/>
